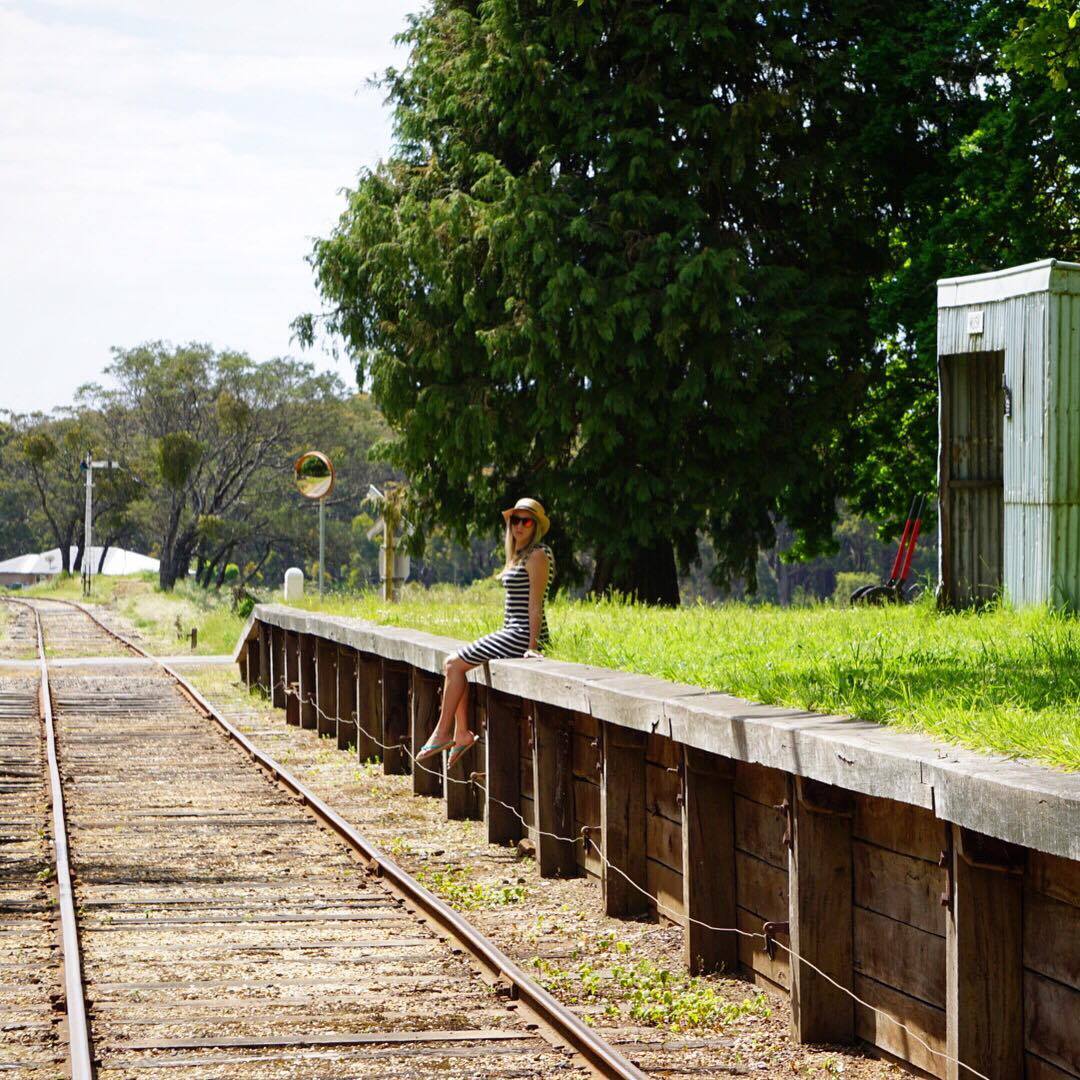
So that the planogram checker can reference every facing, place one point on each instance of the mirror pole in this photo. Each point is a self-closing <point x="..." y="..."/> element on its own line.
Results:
<point x="322" y="541"/>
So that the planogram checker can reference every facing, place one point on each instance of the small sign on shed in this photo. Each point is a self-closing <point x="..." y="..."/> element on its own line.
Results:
<point x="1009" y="435"/>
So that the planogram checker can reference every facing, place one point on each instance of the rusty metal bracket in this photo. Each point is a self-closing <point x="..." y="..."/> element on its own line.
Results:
<point x="945" y="861"/>
<point x="680" y="771"/>
<point x="594" y="744"/>
<point x="770" y="929"/>
<point x="787" y="808"/>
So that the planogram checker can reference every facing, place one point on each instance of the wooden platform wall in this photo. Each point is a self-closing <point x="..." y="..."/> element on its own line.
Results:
<point x="971" y="943"/>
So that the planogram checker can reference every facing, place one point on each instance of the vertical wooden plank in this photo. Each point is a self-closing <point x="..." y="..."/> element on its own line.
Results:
<point x="708" y="836"/>
<point x="395" y="713"/>
<point x="463" y="794"/>
<point x="502" y="768"/>
<point x="265" y="676"/>
<point x="622" y="821"/>
<point x="553" y="790"/>
<point x="346" y="697"/>
<point x="292" y="677"/>
<point x="984" y="976"/>
<point x="424" y="714"/>
<point x="326" y="687"/>
<point x="245" y="664"/>
<point x="277" y="667"/>
<point x="251" y="667"/>
<point x="308" y="688"/>
<point x="368" y="707"/>
<point x="820" y="912"/>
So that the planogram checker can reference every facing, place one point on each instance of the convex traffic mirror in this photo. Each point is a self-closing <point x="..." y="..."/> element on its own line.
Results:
<point x="314" y="475"/>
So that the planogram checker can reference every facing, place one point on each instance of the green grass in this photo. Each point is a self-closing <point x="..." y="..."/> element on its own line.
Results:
<point x="997" y="680"/>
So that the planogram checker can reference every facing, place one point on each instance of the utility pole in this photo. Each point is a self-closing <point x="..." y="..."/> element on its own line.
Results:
<point x="86" y="559"/>
<point x="88" y="466"/>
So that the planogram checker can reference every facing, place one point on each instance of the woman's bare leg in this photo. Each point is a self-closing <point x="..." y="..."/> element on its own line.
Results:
<point x="454" y="701"/>
<point x="461" y="717"/>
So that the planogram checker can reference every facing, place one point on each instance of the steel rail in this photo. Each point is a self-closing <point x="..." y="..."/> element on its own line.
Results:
<point x="80" y="1059"/>
<point x="567" y="1028"/>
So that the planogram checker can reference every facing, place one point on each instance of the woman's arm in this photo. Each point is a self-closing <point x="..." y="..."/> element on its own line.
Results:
<point x="537" y="567"/>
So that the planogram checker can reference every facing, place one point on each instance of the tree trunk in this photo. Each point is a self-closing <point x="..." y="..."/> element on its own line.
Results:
<point x="648" y="575"/>
<point x="104" y="551"/>
<point x="223" y="567"/>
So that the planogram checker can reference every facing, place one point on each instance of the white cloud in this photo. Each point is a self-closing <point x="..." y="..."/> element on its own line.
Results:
<point x="164" y="167"/>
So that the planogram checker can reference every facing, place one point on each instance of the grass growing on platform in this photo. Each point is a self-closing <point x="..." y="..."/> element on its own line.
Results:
<point x="997" y="680"/>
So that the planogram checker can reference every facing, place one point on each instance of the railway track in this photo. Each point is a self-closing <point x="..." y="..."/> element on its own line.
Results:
<point x="32" y="1038"/>
<point x="232" y="925"/>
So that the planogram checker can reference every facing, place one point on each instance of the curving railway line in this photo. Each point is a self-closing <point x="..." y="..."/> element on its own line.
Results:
<point x="229" y="924"/>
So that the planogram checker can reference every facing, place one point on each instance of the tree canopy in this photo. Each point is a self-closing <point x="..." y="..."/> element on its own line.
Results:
<point x="669" y="267"/>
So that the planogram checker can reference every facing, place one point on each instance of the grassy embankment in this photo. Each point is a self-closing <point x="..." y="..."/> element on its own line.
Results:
<point x="999" y="680"/>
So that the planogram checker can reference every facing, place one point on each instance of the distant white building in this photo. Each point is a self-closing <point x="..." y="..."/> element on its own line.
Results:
<point x="30" y="569"/>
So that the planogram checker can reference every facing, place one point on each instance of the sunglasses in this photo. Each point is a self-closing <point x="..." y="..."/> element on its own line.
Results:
<point x="518" y="519"/>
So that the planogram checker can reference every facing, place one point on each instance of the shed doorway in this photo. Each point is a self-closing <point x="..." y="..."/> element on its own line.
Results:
<point x="972" y="477"/>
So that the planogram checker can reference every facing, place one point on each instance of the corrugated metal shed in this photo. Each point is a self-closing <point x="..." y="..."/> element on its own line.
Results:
<point x="1009" y="431"/>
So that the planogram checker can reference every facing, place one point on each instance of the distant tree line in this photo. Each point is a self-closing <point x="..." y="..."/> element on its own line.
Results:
<point x="670" y="267"/>
<point x="205" y="443"/>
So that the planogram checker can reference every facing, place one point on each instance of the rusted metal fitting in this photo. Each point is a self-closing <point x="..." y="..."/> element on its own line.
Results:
<point x="770" y="930"/>
<point x="945" y="861"/>
<point x="788" y="810"/>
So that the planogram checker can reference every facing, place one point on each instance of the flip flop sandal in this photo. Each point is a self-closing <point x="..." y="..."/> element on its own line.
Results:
<point x="459" y="752"/>
<point x="431" y="748"/>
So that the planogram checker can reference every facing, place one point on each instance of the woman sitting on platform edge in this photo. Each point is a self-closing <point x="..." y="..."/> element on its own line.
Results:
<point x="530" y="566"/>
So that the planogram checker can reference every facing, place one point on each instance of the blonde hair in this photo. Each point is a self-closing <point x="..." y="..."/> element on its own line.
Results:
<point x="514" y="557"/>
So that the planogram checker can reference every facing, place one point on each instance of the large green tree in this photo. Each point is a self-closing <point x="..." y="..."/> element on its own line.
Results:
<point x="620" y="260"/>
<point x="671" y="267"/>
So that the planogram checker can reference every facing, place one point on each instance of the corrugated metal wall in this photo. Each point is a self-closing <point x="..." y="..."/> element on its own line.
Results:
<point x="1039" y="334"/>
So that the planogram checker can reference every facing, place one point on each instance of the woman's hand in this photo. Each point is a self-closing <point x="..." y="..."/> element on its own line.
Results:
<point x="532" y="654"/>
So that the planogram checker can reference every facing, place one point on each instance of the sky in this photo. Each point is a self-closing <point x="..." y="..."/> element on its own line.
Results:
<point x="164" y="168"/>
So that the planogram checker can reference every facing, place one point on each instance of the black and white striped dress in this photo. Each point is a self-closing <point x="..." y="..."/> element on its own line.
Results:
<point x="513" y="639"/>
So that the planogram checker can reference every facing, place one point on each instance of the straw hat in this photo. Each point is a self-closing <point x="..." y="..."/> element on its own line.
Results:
<point x="530" y="506"/>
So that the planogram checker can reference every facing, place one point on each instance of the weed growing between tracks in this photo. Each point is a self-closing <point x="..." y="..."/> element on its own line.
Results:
<point x="646" y="992"/>
<point x="455" y="888"/>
